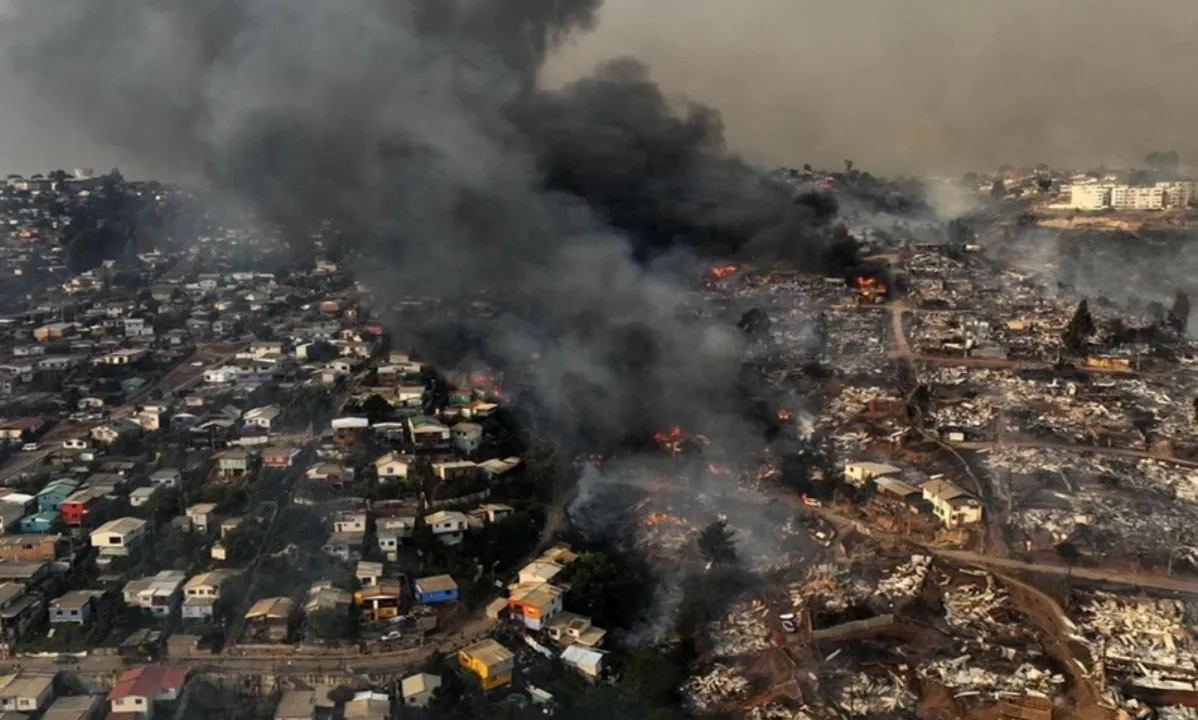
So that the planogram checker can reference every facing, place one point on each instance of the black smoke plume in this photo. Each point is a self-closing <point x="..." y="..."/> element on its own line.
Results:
<point x="418" y="128"/>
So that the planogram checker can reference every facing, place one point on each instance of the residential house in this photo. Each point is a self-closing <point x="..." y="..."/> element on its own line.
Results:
<point x="859" y="472"/>
<point x="138" y="328"/>
<point x="20" y="611"/>
<point x="29" y="548"/>
<point x="76" y="607"/>
<point x="42" y="522"/>
<point x="368" y="705"/>
<point x="455" y="469"/>
<point x="233" y="463"/>
<point x="392" y="532"/>
<point x="346" y="546"/>
<point x="379" y="601"/>
<point x="78" y="504"/>
<point x="54" y="331"/>
<point x="331" y="473"/>
<point x="435" y="589"/>
<point x="568" y="629"/>
<point x="952" y="505"/>
<point x="392" y="465"/>
<point x="202" y="516"/>
<point x="115" y="537"/>
<point x="496" y="467"/>
<point x="448" y="526"/>
<point x="270" y="619"/>
<point x="493" y="512"/>
<point x="323" y="596"/>
<point x="426" y="433"/>
<point x="201" y="592"/>
<point x="350" y="521"/>
<point x="160" y="594"/>
<point x="536" y="604"/>
<point x="137" y="691"/>
<point x="121" y="358"/>
<point x="21" y="429"/>
<point x="25" y="693"/>
<point x="417" y="690"/>
<point x="488" y="661"/>
<point x="348" y="430"/>
<point x="467" y="437"/>
<point x="10" y="516"/>
<point x="267" y="348"/>
<point x="368" y="573"/>
<point x="263" y="418"/>
<point x="539" y="571"/>
<point x="167" y="478"/>
<point x="140" y="496"/>
<point x="279" y="457"/>
<point x="296" y="705"/>
<point x="110" y="432"/>
<point x="76" y="707"/>
<point x="586" y="661"/>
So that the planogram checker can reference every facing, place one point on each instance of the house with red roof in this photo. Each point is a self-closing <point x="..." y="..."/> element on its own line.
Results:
<point x="137" y="690"/>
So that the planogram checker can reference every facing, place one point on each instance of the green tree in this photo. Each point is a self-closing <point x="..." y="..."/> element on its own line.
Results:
<point x="329" y="624"/>
<point x="603" y="589"/>
<point x="376" y="409"/>
<point x="717" y="543"/>
<point x="340" y="695"/>
<point x="998" y="189"/>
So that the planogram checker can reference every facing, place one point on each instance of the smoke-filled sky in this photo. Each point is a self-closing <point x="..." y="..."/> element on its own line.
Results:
<point x="922" y="85"/>
<point x="913" y="86"/>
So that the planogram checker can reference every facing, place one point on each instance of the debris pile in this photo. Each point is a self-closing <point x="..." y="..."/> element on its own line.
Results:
<point x="775" y="711"/>
<point x="981" y="611"/>
<point x="960" y="677"/>
<point x="1139" y="631"/>
<point x="833" y="587"/>
<point x="906" y="580"/>
<point x="864" y="695"/>
<point x="719" y="685"/>
<point x="742" y="631"/>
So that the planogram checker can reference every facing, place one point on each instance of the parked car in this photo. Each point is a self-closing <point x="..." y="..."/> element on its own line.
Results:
<point x="392" y="636"/>
<point x="30" y="447"/>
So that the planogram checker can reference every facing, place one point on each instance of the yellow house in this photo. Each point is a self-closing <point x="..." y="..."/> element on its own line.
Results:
<point x="491" y="662"/>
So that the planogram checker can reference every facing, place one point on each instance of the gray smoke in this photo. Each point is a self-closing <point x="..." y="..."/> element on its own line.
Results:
<point x="417" y="127"/>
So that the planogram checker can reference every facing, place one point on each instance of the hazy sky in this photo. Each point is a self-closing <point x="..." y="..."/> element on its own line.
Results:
<point x="921" y="85"/>
<point x="899" y="86"/>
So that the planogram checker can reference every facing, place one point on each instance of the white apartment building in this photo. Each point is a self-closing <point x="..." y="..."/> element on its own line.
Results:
<point x="1127" y="197"/>
<point x="1090" y="197"/>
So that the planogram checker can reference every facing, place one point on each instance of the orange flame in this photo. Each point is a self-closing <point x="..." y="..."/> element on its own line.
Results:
<point x="722" y="271"/>
<point x="784" y="414"/>
<point x="668" y="437"/>
<point x="659" y="517"/>
<point x="869" y="286"/>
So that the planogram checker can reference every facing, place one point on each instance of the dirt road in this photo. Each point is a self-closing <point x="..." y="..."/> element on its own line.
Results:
<point x="1077" y="448"/>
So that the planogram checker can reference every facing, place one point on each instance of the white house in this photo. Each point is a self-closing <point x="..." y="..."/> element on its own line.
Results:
<point x="466" y="436"/>
<point x="167" y="478"/>
<point x="201" y="592"/>
<point x="418" y="689"/>
<point x="262" y="417"/>
<point x="160" y="594"/>
<point x="860" y="471"/>
<point x="952" y="505"/>
<point x="25" y="693"/>
<point x="448" y="526"/>
<point x="115" y="537"/>
<point x="392" y="465"/>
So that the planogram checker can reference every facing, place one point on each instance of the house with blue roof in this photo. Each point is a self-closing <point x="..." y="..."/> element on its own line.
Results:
<point x="42" y="522"/>
<point x="51" y="496"/>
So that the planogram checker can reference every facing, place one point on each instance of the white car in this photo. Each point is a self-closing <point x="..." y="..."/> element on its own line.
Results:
<point x="30" y="447"/>
<point x="393" y="635"/>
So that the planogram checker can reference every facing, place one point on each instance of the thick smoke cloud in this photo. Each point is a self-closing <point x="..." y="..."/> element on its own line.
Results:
<point x="418" y="127"/>
<point x="920" y="86"/>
